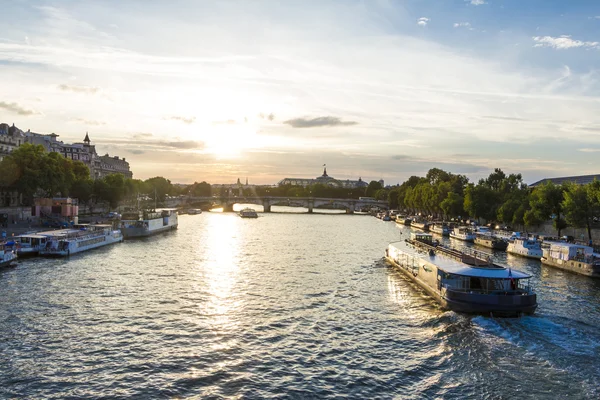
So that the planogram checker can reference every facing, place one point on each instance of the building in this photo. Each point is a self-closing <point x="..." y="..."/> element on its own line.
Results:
<point x="325" y="180"/>
<point x="579" y="180"/>
<point x="99" y="166"/>
<point x="11" y="137"/>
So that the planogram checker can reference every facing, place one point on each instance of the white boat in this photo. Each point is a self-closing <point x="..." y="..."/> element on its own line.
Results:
<point x="194" y="211"/>
<point x="571" y="257"/>
<point x="463" y="233"/>
<point x="248" y="213"/>
<point x="85" y="238"/>
<point x="31" y="243"/>
<point x="466" y="282"/>
<point x="8" y="257"/>
<point x="440" y="229"/>
<point x="524" y="247"/>
<point x="146" y="223"/>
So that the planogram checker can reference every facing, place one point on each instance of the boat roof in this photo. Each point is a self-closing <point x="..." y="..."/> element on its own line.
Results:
<point x="568" y="245"/>
<point x="453" y="266"/>
<point x="33" y="236"/>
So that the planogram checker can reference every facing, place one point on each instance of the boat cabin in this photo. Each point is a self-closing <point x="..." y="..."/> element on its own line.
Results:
<point x="568" y="251"/>
<point x="422" y="237"/>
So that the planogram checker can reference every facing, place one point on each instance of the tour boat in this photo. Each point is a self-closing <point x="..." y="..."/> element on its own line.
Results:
<point x="148" y="222"/>
<point x="424" y="226"/>
<point x="524" y="247"/>
<point x="194" y="211"/>
<point x="248" y="213"/>
<point x="572" y="257"/>
<point x="463" y="233"/>
<point x="440" y="229"/>
<point x="490" y="241"/>
<point x="467" y="282"/>
<point x="30" y="244"/>
<point x="85" y="238"/>
<point x="8" y="257"/>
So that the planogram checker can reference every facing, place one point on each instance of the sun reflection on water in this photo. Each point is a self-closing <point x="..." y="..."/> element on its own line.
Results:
<point x="220" y="270"/>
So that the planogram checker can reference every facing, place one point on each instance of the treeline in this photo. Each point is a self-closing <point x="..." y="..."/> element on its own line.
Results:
<point x="32" y="172"/>
<point x="500" y="198"/>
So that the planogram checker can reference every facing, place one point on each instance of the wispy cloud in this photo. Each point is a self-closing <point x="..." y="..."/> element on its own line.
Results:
<point x="423" y="21"/>
<point x="187" y="120"/>
<point x="79" y="89"/>
<point x="317" y="122"/>
<point x="589" y="150"/>
<point x="462" y="25"/>
<point x="562" y="42"/>
<point x="89" y="121"/>
<point x="476" y="2"/>
<point x="18" y="109"/>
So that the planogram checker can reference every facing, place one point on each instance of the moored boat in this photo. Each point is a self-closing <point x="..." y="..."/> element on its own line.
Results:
<point x="463" y="233"/>
<point x="85" y="238"/>
<point x="8" y="257"/>
<point x="248" y="213"/>
<point x="467" y="282"/>
<point x="29" y="244"/>
<point x="440" y="229"/>
<point x="148" y="222"/>
<point x="572" y="257"/>
<point x="194" y="211"/>
<point x="525" y="247"/>
<point x="422" y="225"/>
<point x="490" y="241"/>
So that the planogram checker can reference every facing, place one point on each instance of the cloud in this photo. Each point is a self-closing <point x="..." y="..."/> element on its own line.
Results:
<point x="187" y="120"/>
<point x="89" y="121"/>
<point x="422" y="21"/>
<point x="462" y="25"/>
<point x="136" y="151"/>
<point x="476" y="2"/>
<point x="184" y="144"/>
<point x="79" y="89"/>
<point x="142" y="135"/>
<point x="562" y="42"/>
<point x="227" y="122"/>
<point x="317" y="122"/>
<point x="17" y="109"/>
<point x="589" y="150"/>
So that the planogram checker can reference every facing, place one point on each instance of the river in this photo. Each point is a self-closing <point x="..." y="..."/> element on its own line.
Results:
<point x="283" y="306"/>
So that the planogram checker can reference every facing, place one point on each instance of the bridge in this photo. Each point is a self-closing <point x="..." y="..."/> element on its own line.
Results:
<point x="351" y="205"/>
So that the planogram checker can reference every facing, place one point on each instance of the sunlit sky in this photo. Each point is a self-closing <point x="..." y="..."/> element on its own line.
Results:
<point x="198" y="90"/>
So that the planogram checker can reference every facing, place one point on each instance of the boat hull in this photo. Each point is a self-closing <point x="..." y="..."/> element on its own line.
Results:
<point x="492" y="243"/>
<point x="140" y="232"/>
<point x="536" y="255"/>
<point x="463" y="238"/>
<point x="587" y="269"/>
<point x="74" y="247"/>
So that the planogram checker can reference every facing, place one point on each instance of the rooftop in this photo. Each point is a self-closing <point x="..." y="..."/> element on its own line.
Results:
<point x="579" y="180"/>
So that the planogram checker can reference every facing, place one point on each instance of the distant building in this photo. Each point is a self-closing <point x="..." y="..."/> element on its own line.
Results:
<point x="99" y="166"/>
<point x="11" y="137"/>
<point x="579" y="180"/>
<point x="325" y="180"/>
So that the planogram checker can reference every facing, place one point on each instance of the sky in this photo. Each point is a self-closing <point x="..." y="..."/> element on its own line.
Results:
<point x="215" y="91"/>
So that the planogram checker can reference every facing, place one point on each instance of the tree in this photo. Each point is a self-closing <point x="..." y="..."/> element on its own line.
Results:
<point x="201" y="189"/>
<point x="452" y="205"/>
<point x="581" y="204"/>
<point x="373" y="187"/>
<point x="21" y="170"/>
<point x="546" y="202"/>
<point x="480" y="201"/>
<point x="82" y="189"/>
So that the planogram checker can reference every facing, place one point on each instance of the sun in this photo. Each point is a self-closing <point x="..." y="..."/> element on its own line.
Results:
<point x="231" y="141"/>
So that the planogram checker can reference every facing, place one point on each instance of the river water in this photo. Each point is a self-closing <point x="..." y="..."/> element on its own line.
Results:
<point x="283" y="306"/>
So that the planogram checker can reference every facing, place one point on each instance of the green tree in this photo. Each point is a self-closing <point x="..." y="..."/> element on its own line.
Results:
<point x="373" y="187"/>
<point x="546" y="202"/>
<point x="82" y="189"/>
<point x="581" y="204"/>
<point x="21" y="171"/>
<point x="452" y="205"/>
<point x="480" y="201"/>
